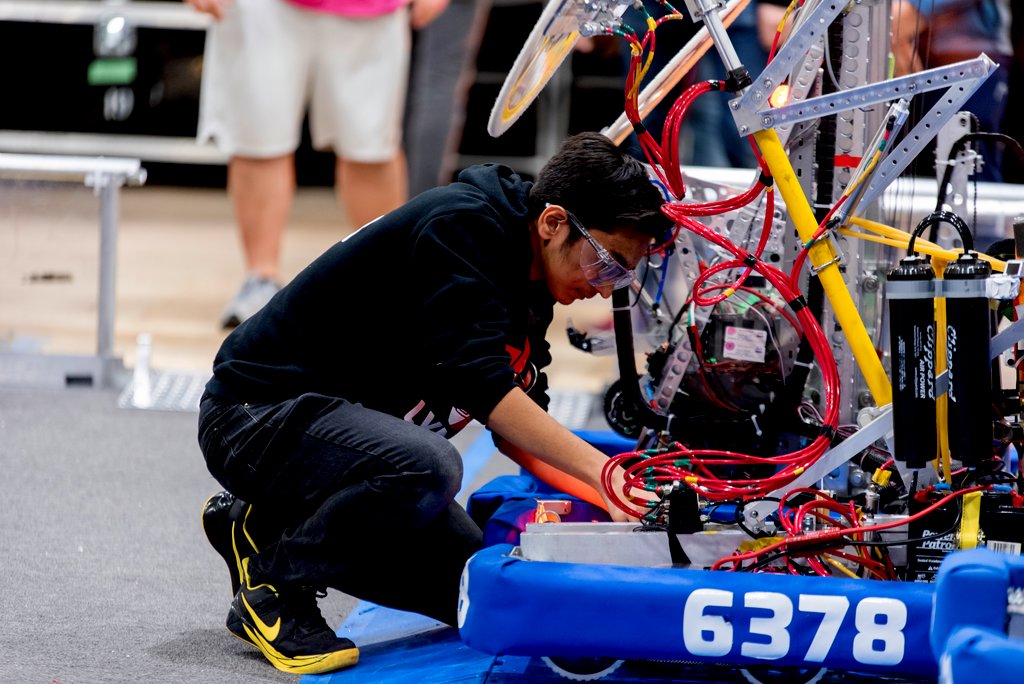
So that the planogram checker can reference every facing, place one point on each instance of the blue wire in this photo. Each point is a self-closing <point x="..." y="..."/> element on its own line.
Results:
<point x="665" y="194"/>
<point x="664" y="276"/>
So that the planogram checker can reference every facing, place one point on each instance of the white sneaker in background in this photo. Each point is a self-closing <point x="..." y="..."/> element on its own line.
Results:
<point x="256" y="291"/>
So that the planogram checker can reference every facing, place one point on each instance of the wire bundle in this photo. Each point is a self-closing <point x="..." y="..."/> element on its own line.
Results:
<point x="663" y="156"/>
<point x="843" y="528"/>
<point x="708" y="471"/>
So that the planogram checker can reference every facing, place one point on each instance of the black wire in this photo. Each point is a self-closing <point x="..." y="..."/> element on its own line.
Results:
<point x="740" y="518"/>
<point x="678" y="317"/>
<point x="647" y="272"/>
<point x="947" y="174"/>
<point x="995" y="477"/>
<point x="766" y="561"/>
<point x="917" y="540"/>
<point x="779" y="555"/>
<point x="958" y="147"/>
<point x="937" y="217"/>
<point x="884" y="545"/>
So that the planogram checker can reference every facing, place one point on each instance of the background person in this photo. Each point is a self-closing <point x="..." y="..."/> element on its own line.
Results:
<point x="266" y="62"/>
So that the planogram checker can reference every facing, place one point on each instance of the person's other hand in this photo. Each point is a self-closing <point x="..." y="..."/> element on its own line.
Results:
<point x="214" y="8"/>
<point x="422" y="12"/>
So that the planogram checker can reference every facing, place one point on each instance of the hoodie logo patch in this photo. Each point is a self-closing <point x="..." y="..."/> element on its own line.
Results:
<point x="430" y="417"/>
<point x="424" y="416"/>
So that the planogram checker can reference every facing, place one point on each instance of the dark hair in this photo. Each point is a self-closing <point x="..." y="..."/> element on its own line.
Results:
<point x="603" y="186"/>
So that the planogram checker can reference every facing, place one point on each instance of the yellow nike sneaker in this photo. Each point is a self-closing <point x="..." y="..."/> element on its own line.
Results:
<point x="288" y="628"/>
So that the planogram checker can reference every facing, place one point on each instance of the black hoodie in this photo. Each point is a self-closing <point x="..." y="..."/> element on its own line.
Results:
<point x="427" y="313"/>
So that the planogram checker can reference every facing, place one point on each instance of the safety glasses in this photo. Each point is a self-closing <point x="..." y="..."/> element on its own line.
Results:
<point x="599" y="267"/>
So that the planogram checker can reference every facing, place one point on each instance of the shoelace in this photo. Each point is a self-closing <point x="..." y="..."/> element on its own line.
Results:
<point x="302" y="604"/>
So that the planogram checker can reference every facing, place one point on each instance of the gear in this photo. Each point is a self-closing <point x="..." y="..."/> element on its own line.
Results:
<point x="767" y="675"/>
<point x="619" y="411"/>
<point x="582" y="669"/>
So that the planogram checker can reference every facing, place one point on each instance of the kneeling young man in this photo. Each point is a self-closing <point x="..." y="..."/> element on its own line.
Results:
<point x="328" y="415"/>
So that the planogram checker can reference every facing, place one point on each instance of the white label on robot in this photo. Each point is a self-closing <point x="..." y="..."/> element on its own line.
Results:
<point x="744" y="344"/>
<point x="709" y="629"/>
<point x="1011" y="548"/>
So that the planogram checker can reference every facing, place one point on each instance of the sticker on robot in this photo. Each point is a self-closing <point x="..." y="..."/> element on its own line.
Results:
<point x="744" y="344"/>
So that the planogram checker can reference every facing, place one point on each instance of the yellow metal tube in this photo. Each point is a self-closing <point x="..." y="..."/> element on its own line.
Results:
<point x="831" y="279"/>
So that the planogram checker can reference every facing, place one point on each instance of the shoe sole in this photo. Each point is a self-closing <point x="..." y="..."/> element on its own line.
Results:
<point x="237" y="629"/>
<point x="222" y="540"/>
<point x="305" y="664"/>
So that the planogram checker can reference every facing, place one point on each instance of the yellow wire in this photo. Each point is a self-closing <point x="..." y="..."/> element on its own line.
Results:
<point x="842" y="568"/>
<point x="651" y="26"/>
<point x="901" y="239"/>
<point x="864" y="174"/>
<point x="898" y="238"/>
<point x="643" y="72"/>
<point x="785" y="16"/>
<point x="942" y="402"/>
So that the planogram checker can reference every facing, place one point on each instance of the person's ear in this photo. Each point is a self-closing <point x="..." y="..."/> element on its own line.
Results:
<point x="550" y="222"/>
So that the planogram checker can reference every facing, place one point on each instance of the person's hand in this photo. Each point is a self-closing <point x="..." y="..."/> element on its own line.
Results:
<point x="422" y="12"/>
<point x="214" y="8"/>
<point x="617" y="514"/>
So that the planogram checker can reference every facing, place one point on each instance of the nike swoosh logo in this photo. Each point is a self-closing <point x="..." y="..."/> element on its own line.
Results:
<point x="270" y="632"/>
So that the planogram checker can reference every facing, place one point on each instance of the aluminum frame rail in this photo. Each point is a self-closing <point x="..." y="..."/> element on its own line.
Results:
<point x="106" y="177"/>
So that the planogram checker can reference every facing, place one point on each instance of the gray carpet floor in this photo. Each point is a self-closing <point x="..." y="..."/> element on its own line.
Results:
<point x="105" y="574"/>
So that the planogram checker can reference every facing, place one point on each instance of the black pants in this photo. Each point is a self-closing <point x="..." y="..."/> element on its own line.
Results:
<point x="345" y="497"/>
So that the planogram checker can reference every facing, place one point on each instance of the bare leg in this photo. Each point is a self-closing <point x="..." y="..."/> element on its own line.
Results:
<point x="368" y="190"/>
<point x="262" y="191"/>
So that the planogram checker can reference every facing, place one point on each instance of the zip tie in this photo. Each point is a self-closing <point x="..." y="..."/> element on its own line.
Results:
<point x="815" y="270"/>
<point x="797" y="304"/>
<point x="766" y="179"/>
<point x="639" y="129"/>
<point x="827" y="431"/>
<point x="805" y="364"/>
<point x="757" y="428"/>
<point x="750" y="260"/>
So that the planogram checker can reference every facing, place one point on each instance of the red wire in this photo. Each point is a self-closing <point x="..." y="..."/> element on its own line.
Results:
<point x="760" y="295"/>
<point x="697" y="467"/>
<point x="698" y="474"/>
<point x="836" y="534"/>
<point x="798" y="263"/>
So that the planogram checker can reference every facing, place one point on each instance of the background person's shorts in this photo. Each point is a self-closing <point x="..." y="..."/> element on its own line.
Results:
<point x="267" y="61"/>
